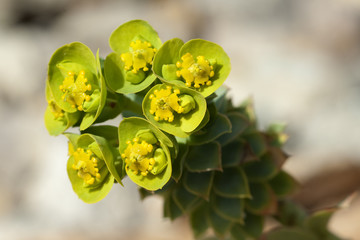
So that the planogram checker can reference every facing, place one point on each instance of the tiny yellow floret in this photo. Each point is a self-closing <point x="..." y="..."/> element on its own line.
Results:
<point x="164" y="102"/>
<point x="75" y="89"/>
<point x="138" y="156"/>
<point x="195" y="73"/>
<point x="86" y="164"/>
<point x="56" y="110"/>
<point x="140" y="56"/>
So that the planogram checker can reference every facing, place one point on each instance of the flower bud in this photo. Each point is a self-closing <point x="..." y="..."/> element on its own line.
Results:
<point x="147" y="136"/>
<point x="187" y="102"/>
<point x="169" y="71"/>
<point x="135" y="78"/>
<point x="160" y="161"/>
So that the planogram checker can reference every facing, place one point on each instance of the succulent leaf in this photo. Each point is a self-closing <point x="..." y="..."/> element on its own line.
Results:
<point x="199" y="184"/>
<point x="204" y="158"/>
<point x="232" y="183"/>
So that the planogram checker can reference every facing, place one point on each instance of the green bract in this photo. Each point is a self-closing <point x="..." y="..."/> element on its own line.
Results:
<point x="56" y="119"/>
<point x="174" y="109"/>
<point x="146" y="153"/>
<point x="198" y="64"/>
<point x="76" y="82"/>
<point x="128" y="68"/>
<point x="90" y="167"/>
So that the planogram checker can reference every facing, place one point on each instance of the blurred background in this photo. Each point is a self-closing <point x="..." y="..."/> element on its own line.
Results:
<point x="298" y="59"/>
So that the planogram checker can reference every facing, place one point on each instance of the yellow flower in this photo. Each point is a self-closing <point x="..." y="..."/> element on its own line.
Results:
<point x="75" y="90"/>
<point x="86" y="164"/>
<point x="197" y="73"/>
<point x="141" y="54"/>
<point x="164" y="102"/>
<point x="138" y="156"/>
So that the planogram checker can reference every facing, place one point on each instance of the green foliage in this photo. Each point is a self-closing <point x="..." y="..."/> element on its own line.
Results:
<point x="180" y="136"/>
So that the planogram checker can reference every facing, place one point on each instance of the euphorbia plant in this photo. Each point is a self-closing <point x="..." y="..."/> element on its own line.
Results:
<point x="180" y="136"/>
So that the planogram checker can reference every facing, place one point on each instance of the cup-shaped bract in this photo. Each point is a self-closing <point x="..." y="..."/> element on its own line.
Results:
<point x="146" y="152"/>
<point x="128" y="68"/>
<point x="197" y="64"/>
<point x="90" y="167"/>
<point x="57" y="120"/>
<point x="76" y="82"/>
<point x="174" y="109"/>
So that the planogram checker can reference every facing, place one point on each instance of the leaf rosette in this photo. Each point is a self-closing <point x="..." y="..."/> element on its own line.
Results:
<point x="197" y="64"/>
<point x="91" y="167"/>
<point x="76" y="82"/>
<point x="128" y="68"/>
<point x="174" y="109"/>
<point x="146" y="152"/>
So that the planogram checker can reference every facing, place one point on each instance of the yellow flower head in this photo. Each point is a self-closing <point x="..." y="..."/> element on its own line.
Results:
<point x="86" y="164"/>
<point x="75" y="90"/>
<point x="197" y="73"/>
<point x="164" y="102"/>
<point x="138" y="156"/>
<point x="140" y="56"/>
<point x="56" y="110"/>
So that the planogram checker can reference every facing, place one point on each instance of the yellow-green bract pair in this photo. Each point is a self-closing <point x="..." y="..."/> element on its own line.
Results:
<point x="75" y="88"/>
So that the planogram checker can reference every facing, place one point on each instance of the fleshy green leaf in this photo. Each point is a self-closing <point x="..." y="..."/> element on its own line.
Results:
<point x="204" y="158"/>
<point x="318" y="222"/>
<point x="171" y="209"/>
<point x="228" y="208"/>
<point x="185" y="200"/>
<point x="232" y="183"/>
<point x="254" y="225"/>
<point x="257" y="143"/>
<point x="238" y="233"/>
<point x="233" y="154"/>
<point x="290" y="214"/>
<point x="276" y="132"/>
<point x="262" y="201"/>
<point x="260" y="170"/>
<point x="178" y="163"/>
<point x="239" y="123"/>
<point x="199" y="183"/>
<point x="290" y="233"/>
<point x="283" y="184"/>
<point x="198" y="220"/>
<point x="218" y="223"/>
<point x="219" y="126"/>
<point x="182" y="124"/>
<point x="220" y="99"/>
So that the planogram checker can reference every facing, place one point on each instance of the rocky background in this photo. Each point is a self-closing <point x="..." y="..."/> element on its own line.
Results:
<point x="298" y="59"/>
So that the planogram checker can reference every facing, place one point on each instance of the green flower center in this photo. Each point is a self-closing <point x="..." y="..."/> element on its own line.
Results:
<point x="140" y="57"/>
<point x="197" y="73"/>
<point x="86" y="165"/>
<point x="138" y="156"/>
<point x="164" y="102"/>
<point x="75" y="89"/>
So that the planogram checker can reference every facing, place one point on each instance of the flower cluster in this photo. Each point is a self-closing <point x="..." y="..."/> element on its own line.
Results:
<point x="180" y="135"/>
